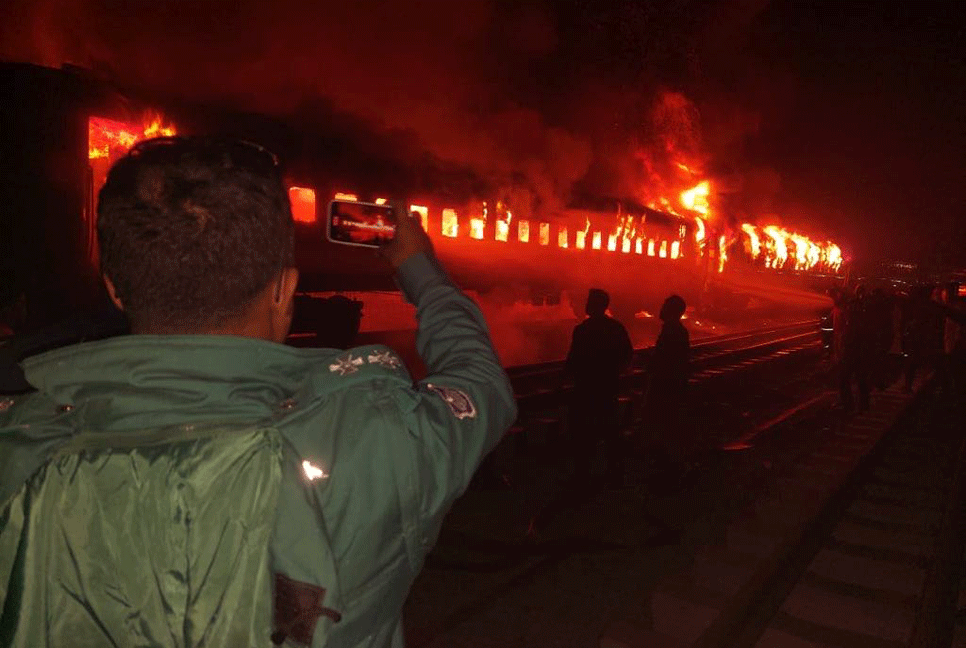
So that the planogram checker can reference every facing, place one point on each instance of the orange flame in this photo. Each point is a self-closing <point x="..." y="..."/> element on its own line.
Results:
<point x="107" y="138"/>
<point x="503" y="219"/>
<point x="753" y="241"/>
<point x="696" y="198"/>
<point x="780" y="248"/>
<point x="562" y="238"/>
<point x="544" y="233"/>
<point x="596" y="242"/>
<point x="523" y="231"/>
<point x="478" y="225"/>
<point x="346" y="196"/>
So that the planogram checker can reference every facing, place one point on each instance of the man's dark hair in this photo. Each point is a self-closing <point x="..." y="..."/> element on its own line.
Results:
<point x="192" y="229"/>
<point x="597" y="302"/>
<point x="673" y="308"/>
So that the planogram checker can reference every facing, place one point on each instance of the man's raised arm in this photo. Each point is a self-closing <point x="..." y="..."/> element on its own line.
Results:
<point x="465" y="403"/>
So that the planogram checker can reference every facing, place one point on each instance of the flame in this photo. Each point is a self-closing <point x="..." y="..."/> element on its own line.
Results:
<point x="675" y="249"/>
<point x="381" y="201"/>
<point x="696" y="198"/>
<point x="523" y="231"/>
<point x="544" y="233"/>
<point x="581" y="241"/>
<point x="753" y="241"/>
<point x="833" y="256"/>
<point x="157" y="128"/>
<point x="814" y="255"/>
<point x="801" y="251"/>
<point x="423" y="215"/>
<point x="346" y="196"/>
<point x="451" y="223"/>
<point x="663" y="251"/>
<point x="643" y="315"/>
<point x="596" y="242"/>
<point x="780" y="248"/>
<point x="502" y="223"/>
<point x="478" y="225"/>
<point x="110" y="139"/>
<point x="699" y="233"/>
<point x="722" y="252"/>
<point x="562" y="237"/>
<point x="650" y="247"/>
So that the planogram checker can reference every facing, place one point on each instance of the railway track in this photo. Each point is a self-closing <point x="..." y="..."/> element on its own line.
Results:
<point x="857" y="543"/>
<point x="542" y="385"/>
<point x="811" y="530"/>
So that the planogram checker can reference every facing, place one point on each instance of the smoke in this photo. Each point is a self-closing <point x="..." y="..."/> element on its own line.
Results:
<point x="544" y="99"/>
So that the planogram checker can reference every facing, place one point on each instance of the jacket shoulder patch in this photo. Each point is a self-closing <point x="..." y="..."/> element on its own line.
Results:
<point x="459" y="402"/>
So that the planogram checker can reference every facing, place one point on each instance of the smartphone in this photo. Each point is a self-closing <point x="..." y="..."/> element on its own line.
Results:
<point x="357" y="223"/>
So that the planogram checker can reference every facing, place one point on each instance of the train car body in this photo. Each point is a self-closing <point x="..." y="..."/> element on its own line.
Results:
<point x="63" y="128"/>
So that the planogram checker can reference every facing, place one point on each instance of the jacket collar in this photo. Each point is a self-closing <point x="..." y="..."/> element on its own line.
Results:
<point x="151" y="380"/>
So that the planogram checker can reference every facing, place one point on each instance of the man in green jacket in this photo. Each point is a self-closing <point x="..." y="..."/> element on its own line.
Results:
<point x="197" y="482"/>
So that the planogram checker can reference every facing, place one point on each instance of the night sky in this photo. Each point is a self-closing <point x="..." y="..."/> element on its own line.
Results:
<point x="839" y="119"/>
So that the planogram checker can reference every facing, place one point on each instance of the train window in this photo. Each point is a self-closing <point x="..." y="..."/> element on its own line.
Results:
<point x="502" y="230"/>
<point x="303" y="204"/>
<point x="451" y="223"/>
<point x="562" y="237"/>
<point x="423" y="215"/>
<point x="523" y="231"/>
<point x="477" y="225"/>
<point x="544" y="233"/>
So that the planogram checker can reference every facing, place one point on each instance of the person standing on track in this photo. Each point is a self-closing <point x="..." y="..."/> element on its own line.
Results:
<point x="599" y="352"/>
<point x="667" y="385"/>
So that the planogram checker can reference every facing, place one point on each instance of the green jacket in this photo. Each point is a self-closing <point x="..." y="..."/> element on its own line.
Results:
<point x="216" y="490"/>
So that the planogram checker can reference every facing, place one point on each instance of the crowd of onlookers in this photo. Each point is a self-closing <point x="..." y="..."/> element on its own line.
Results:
<point x="879" y="333"/>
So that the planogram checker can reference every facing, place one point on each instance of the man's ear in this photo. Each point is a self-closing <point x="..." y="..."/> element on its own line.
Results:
<point x="288" y="280"/>
<point x="112" y="292"/>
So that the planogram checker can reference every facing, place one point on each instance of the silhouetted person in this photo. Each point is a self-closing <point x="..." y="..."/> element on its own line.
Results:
<point x="599" y="352"/>
<point x="880" y="327"/>
<point x="922" y="332"/>
<point x="859" y="343"/>
<point x="667" y="386"/>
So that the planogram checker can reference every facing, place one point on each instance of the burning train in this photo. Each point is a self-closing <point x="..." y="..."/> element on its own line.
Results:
<point x="65" y="128"/>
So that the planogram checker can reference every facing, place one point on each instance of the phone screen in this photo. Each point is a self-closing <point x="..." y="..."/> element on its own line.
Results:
<point x="355" y="223"/>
